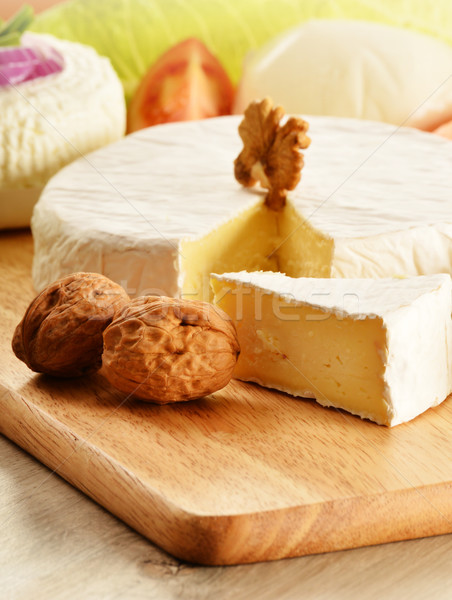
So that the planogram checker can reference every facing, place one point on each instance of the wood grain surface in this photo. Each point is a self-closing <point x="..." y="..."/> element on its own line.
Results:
<point x="244" y="475"/>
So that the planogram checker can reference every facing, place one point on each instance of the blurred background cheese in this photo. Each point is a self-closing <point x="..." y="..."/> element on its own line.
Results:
<point x="49" y="121"/>
<point x="353" y="69"/>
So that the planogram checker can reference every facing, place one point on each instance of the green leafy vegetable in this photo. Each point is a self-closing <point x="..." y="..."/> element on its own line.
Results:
<point x="11" y="31"/>
<point x="134" y="33"/>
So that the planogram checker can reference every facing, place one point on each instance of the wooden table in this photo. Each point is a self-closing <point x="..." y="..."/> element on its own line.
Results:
<point x="57" y="543"/>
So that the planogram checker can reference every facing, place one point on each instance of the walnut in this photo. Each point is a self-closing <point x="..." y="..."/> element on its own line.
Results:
<point x="166" y="350"/>
<point x="270" y="152"/>
<point x="61" y="332"/>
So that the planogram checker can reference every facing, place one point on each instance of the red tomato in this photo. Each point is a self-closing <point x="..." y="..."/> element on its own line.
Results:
<point x="186" y="83"/>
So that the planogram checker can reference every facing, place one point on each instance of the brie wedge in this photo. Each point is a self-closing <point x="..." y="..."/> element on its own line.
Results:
<point x="380" y="349"/>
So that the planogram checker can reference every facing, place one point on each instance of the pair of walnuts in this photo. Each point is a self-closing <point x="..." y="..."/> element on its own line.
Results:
<point x="155" y="348"/>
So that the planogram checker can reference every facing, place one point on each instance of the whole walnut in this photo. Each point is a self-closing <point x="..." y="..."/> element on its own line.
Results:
<point x="166" y="350"/>
<point x="61" y="331"/>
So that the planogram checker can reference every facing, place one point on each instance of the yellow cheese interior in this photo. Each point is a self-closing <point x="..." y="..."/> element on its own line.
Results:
<point x="302" y="251"/>
<point x="258" y="239"/>
<point x="246" y="242"/>
<point x="307" y="352"/>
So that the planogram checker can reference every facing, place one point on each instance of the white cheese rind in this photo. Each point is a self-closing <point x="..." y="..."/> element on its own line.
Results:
<point x="416" y="313"/>
<point x="375" y="190"/>
<point x="356" y="298"/>
<point x="419" y="363"/>
<point x="417" y="250"/>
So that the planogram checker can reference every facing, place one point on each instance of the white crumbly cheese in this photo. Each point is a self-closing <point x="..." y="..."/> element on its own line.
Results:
<point x="379" y="197"/>
<point x="50" y="121"/>
<point x="413" y="339"/>
<point x="353" y="69"/>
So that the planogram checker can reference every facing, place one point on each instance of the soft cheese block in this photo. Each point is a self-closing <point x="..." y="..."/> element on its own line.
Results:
<point x="160" y="210"/>
<point x="353" y="68"/>
<point x="49" y="121"/>
<point x="380" y="349"/>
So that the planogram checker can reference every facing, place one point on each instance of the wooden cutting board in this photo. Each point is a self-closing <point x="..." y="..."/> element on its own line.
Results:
<point x="244" y="475"/>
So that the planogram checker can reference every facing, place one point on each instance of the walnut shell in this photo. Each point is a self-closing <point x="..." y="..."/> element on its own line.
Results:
<point x="61" y="332"/>
<point x="166" y="350"/>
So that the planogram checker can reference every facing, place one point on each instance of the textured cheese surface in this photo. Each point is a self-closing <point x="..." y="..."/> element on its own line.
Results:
<point x="49" y="121"/>
<point x="380" y="349"/>
<point x="372" y="189"/>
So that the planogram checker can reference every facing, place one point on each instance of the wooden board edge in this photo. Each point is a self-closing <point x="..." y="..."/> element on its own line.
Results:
<point x="226" y="539"/>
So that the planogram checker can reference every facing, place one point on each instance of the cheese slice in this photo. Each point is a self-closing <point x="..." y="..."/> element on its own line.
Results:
<point x="160" y="210"/>
<point x="380" y="349"/>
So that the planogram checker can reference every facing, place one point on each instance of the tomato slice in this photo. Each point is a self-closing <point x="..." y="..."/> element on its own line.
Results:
<point x="186" y="83"/>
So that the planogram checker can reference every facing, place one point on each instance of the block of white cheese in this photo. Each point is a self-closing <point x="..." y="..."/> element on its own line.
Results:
<point x="380" y="349"/>
<point x="49" y="121"/>
<point x="354" y="69"/>
<point x="160" y="210"/>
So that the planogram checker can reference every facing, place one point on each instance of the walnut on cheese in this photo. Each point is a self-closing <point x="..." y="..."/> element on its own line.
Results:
<point x="271" y="153"/>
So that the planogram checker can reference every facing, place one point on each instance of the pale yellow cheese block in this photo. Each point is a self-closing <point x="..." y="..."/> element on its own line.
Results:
<point x="380" y="349"/>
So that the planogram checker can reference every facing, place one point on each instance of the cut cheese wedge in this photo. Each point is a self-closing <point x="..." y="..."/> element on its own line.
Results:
<point x="380" y="349"/>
